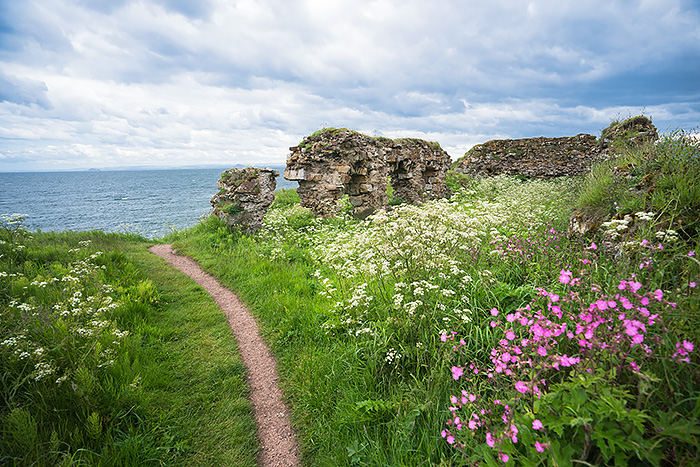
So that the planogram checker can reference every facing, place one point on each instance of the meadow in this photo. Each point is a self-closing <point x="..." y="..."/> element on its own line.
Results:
<point x="469" y="331"/>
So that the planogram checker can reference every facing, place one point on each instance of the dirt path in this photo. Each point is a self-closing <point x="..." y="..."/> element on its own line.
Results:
<point x="278" y="446"/>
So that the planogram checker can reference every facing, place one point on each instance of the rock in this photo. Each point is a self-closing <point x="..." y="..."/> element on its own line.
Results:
<point x="244" y="196"/>
<point x="532" y="157"/>
<point x="345" y="162"/>
<point x="631" y="132"/>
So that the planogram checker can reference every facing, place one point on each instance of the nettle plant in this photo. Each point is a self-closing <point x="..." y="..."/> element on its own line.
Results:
<point x="578" y="374"/>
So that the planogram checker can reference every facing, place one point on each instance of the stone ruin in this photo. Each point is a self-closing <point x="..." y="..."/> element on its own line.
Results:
<point x="554" y="157"/>
<point x="532" y="157"/>
<point x="334" y="163"/>
<point x="244" y="196"/>
<point x="631" y="132"/>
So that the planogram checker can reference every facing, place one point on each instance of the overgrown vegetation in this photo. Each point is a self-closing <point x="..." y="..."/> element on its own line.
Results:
<point x="109" y="358"/>
<point x="377" y="324"/>
<point x="463" y="331"/>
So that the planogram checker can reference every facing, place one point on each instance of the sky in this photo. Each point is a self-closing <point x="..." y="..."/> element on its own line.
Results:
<point x="173" y="83"/>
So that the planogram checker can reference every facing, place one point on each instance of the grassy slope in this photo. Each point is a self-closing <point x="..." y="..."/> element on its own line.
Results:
<point x="205" y="397"/>
<point x="178" y="373"/>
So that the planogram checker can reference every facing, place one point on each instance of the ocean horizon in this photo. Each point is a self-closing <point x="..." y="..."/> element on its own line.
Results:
<point x="151" y="202"/>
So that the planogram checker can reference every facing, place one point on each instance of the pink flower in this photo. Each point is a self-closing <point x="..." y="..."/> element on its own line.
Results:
<point x="691" y="253"/>
<point x="692" y="285"/>
<point x="503" y="456"/>
<point x="540" y="447"/>
<point x="520" y="386"/>
<point x="537" y="425"/>
<point x="554" y="298"/>
<point x="644" y="301"/>
<point x="489" y="440"/>
<point x="634" y="366"/>
<point x="510" y="335"/>
<point x="542" y="351"/>
<point x="494" y="312"/>
<point x="688" y="346"/>
<point x="450" y="439"/>
<point x="457" y="372"/>
<point x="494" y="324"/>
<point x="565" y="276"/>
<point x="592" y="247"/>
<point x="472" y="397"/>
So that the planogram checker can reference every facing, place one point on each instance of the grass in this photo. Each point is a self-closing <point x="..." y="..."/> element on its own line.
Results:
<point x="361" y="316"/>
<point x="170" y="391"/>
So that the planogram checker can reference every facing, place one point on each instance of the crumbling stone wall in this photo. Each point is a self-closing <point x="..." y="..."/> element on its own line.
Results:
<point x="333" y="163"/>
<point x="628" y="133"/>
<point x="244" y="196"/>
<point x="532" y="157"/>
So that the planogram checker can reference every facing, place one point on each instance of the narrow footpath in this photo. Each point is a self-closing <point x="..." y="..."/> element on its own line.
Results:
<point x="278" y="445"/>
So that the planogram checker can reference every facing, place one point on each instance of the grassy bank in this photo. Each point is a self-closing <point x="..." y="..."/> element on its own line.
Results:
<point x="109" y="357"/>
<point x="477" y="328"/>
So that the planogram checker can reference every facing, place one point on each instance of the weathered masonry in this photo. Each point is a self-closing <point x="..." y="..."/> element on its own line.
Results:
<point x="334" y="163"/>
<point x="244" y="196"/>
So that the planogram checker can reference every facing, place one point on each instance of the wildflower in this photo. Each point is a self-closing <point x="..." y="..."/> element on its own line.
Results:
<point x="489" y="440"/>
<point x="539" y="447"/>
<point x="565" y="276"/>
<point x="520" y="386"/>
<point x="691" y="253"/>
<point x="494" y="312"/>
<point x="634" y="366"/>
<point x="457" y="372"/>
<point x="537" y="425"/>
<point x="503" y="456"/>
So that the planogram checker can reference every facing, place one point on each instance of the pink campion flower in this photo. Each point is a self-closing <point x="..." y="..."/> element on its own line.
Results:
<point x="537" y="425"/>
<point x="520" y="386"/>
<point x="494" y="312"/>
<point x="644" y="301"/>
<point x="687" y="345"/>
<point x="658" y="294"/>
<point x="554" y="298"/>
<point x="443" y="433"/>
<point x="623" y="285"/>
<point x="565" y="276"/>
<point x="592" y="247"/>
<point x="634" y="366"/>
<point x="514" y="433"/>
<point x="510" y="317"/>
<point x="601" y="305"/>
<point x="453" y="399"/>
<point x="691" y="253"/>
<point x="542" y="351"/>
<point x="635" y="286"/>
<point x="493" y="324"/>
<point x="450" y="439"/>
<point x="503" y="456"/>
<point x="692" y="285"/>
<point x="489" y="440"/>
<point x="473" y="424"/>
<point x="539" y="447"/>
<point x="443" y="337"/>
<point x="457" y="372"/>
<point x="510" y="335"/>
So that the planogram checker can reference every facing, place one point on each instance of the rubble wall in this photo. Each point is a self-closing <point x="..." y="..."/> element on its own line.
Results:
<point x="244" y="196"/>
<point x="334" y="163"/>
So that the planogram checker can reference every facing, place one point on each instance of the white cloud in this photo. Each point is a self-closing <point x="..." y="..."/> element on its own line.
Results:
<point x="170" y="82"/>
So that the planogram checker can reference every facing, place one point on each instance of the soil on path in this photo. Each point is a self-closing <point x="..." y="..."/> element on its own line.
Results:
<point x="278" y="446"/>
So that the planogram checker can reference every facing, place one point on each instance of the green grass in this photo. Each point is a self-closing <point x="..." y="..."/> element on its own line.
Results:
<point x="174" y="391"/>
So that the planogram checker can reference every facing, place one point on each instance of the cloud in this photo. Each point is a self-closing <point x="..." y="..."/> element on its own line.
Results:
<point x="129" y="82"/>
<point x="23" y="91"/>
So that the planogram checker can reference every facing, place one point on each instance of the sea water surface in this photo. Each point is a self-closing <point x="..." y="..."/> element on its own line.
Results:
<point x="150" y="202"/>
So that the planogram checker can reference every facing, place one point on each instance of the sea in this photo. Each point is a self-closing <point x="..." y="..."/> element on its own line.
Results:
<point x="149" y="202"/>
